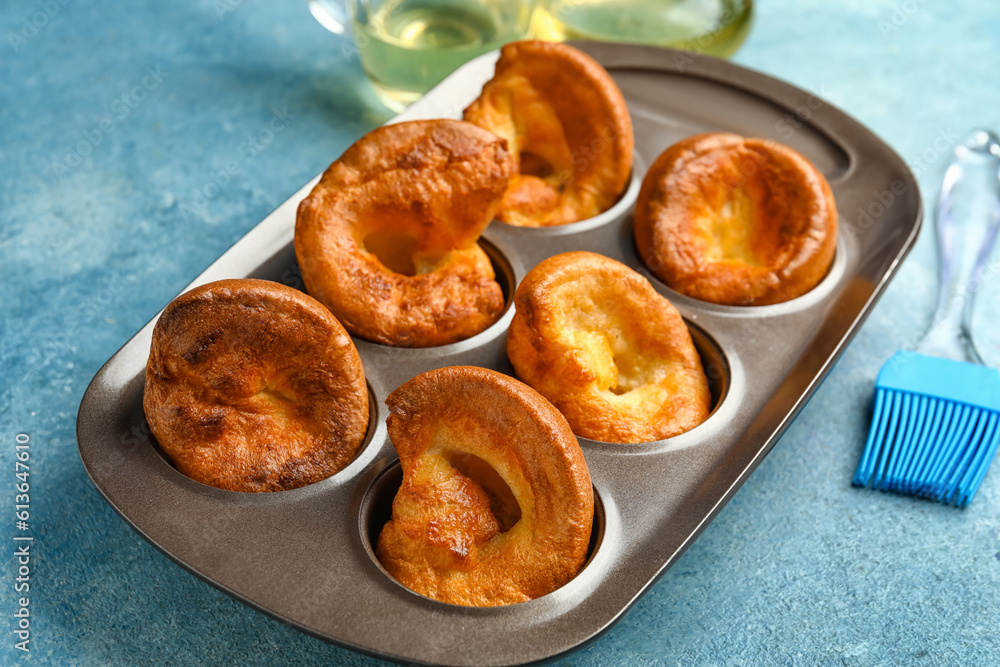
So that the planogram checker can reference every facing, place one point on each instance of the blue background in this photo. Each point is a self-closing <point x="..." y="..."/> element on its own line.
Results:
<point x="119" y="121"/>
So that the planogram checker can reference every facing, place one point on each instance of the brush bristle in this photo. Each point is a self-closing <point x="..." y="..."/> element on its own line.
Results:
<point x="934" y="429"/>
<point x="927" y="446"/>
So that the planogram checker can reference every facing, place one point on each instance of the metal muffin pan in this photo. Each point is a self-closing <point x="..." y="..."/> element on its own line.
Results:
<point x="305" y="556"/>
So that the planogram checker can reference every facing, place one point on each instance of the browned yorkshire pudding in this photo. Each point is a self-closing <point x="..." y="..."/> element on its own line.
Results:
<point x="743" y="222"/>
<point x="254" y="386"/>
<point x="496" y="504"/>
<point x="566" y="120"/>
<point x="388" y="238"/>
<point x="594" y="337"/>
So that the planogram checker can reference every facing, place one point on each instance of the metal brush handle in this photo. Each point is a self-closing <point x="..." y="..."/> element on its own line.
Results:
<point x="968" y="218"/>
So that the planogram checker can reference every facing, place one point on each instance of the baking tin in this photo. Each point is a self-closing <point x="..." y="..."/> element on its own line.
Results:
<point x="305" y="556"/>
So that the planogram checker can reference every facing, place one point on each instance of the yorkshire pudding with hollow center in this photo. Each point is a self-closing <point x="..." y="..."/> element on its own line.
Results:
<point x="735" y="221"/>
<point x="388" y="238"/>
<point x="254" y="386"/>
<point x="594" y="337"/>
<point x="565" y="119"/>
<point x="496" y="504"/>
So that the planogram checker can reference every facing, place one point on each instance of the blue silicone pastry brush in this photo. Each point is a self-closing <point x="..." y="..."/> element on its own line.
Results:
<point x="935" y="426"/>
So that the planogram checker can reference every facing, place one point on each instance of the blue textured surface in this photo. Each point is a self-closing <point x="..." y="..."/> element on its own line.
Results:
<point x="136" y="150"/>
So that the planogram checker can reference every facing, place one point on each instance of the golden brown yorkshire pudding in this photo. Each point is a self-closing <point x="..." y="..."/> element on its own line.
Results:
<point x="496" y="504"/>
<point x="594" y="337"/>
<point x="566" y="120"/>
<point x="388" y="238"/>
<point x="743" y="222"/>
<point x="254" y="386"/>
